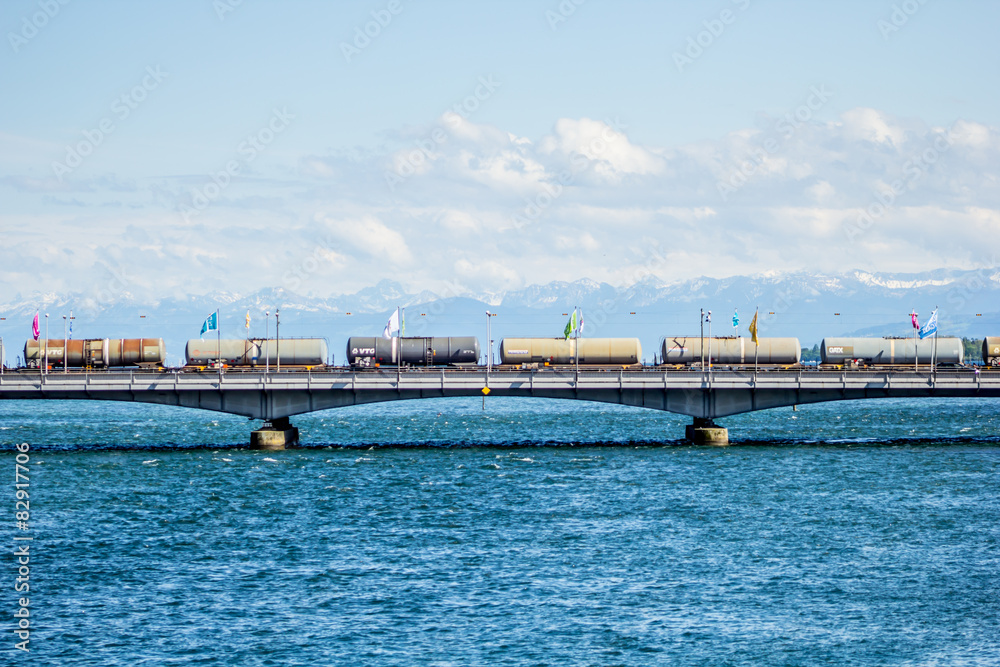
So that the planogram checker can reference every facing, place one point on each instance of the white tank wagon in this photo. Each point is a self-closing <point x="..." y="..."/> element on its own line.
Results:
<point x="367" y="351"/>
<point x="730" y="351"/>
<point x="562" y="351"/>
<point x="991" y="351"/>
<point x="891" y="351"/>
<point x="95" y="352"/>
<point x="254" y="352"/>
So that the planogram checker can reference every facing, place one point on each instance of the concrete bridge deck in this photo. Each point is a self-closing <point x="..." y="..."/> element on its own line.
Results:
<point x="703" y="395"/>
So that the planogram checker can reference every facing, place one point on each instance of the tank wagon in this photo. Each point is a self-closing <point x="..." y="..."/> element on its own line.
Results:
<point x="254" y="352"/>
<point x="370" y="351"/>
<point x="730" y="351"/>
<point x="991" y="351"/>
<point x="891" y="351"/>
<point x="96" y="352"/>
<point x="562" y="351"/>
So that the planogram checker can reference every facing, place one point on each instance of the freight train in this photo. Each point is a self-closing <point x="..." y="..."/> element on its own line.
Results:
<point x="366" y="352"/>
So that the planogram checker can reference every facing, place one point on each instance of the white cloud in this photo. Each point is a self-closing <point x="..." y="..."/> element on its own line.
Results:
<point x="871" y="125"/>
<point x="498" y="211"/>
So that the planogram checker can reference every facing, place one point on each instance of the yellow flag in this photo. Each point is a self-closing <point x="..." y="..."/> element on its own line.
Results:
<point x="753" y="328"/>
<point x="248" y="320"/>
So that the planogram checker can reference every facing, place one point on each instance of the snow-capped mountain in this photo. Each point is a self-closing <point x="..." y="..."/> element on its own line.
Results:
<point x="808" y="306"/>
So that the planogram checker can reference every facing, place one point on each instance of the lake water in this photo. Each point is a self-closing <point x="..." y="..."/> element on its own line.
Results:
<point x="533" y="532"/>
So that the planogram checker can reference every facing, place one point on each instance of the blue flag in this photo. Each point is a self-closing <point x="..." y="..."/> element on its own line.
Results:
<point x="736" y="318"/>
<point x="930" y="326"/>
<point x="211" y="323"/>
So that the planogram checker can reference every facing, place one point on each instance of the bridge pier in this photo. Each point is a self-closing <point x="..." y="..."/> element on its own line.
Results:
<point x="276" y="434"/>
<point x="706" y="432"/>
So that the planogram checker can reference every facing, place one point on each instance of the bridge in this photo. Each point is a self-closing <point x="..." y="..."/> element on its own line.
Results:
<point x="703" y="395"/>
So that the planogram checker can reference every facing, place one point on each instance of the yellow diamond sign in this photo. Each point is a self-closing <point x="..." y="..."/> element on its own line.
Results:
<point x="486" y="391"/>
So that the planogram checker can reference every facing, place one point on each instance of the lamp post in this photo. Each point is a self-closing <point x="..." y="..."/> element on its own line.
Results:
<point x="701" y="348"/>
<point x="489" y="343"/>
<point x="65" y="345"/>
<point x="710" y="341"/>
<point x="267" y="355"/>
<point x="46" y="366"/>
<point x="277" y="336"/>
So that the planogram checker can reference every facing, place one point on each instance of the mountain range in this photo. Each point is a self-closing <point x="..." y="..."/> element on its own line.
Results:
<point x="804" y="305"/>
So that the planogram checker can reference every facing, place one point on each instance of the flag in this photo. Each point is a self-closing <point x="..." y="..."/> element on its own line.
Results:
<point x="753" y="328"/>
<point x="211" y="323"/>
<point x="35" y="331"/>
<point x="913" y="319"/>
<point x="71" y="325"/>
<point x="571" y="325"/>
<point x="736" y="318"/>
<point x="930" y="327"/>
<point x="579" y="329"/>
<point x="392" y="325"/>
<point x="248" y="320"/>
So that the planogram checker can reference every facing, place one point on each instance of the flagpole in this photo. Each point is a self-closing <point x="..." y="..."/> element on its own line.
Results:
<point x="218" y="338"/>
<point x="576" y="321"/>
<point x="916" y="361"/>
<point x="756" y="343"/>
<point x="934" y="353"/>
<point x="267" y="332"/>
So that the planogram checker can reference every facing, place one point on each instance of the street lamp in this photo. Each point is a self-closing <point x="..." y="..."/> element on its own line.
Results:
<point x="267" y="343"/>
<point x="65" y="341"/>
<point x="701" y="348"/>
<point x="46" y="367"/>
<point x="489" y="342"/>
<point x="709" y="341"/>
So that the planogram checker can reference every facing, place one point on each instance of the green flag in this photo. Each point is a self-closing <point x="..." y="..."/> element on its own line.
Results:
<point x="570" y="326"/>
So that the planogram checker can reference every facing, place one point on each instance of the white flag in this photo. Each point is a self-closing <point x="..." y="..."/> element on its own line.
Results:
<point x="392" y="326"/>
<point x="580" y="328"/>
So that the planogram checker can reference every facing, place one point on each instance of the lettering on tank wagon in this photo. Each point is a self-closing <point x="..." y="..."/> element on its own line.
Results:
<point x="362" y="350"/>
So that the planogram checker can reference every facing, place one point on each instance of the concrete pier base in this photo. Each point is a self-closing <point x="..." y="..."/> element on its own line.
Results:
<point x="707" y="432"/>
<point x="276" y="434"/>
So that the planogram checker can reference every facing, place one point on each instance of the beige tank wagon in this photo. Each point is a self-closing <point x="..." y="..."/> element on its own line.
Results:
<point x="892" y="351"/>
<point x="254" y="352"/>
<point x="562" y="351"/>
<point x="730" y="351"/>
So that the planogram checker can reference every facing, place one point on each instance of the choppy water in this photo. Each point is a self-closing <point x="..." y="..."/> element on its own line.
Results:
<point x="535" y="532"/>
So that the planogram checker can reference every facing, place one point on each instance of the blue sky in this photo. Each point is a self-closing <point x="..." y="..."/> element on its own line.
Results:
<point x="490" y="145"/>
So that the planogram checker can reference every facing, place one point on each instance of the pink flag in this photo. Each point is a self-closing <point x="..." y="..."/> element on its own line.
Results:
<point x="35" y="331"/>
<point x="913" y="320"/>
